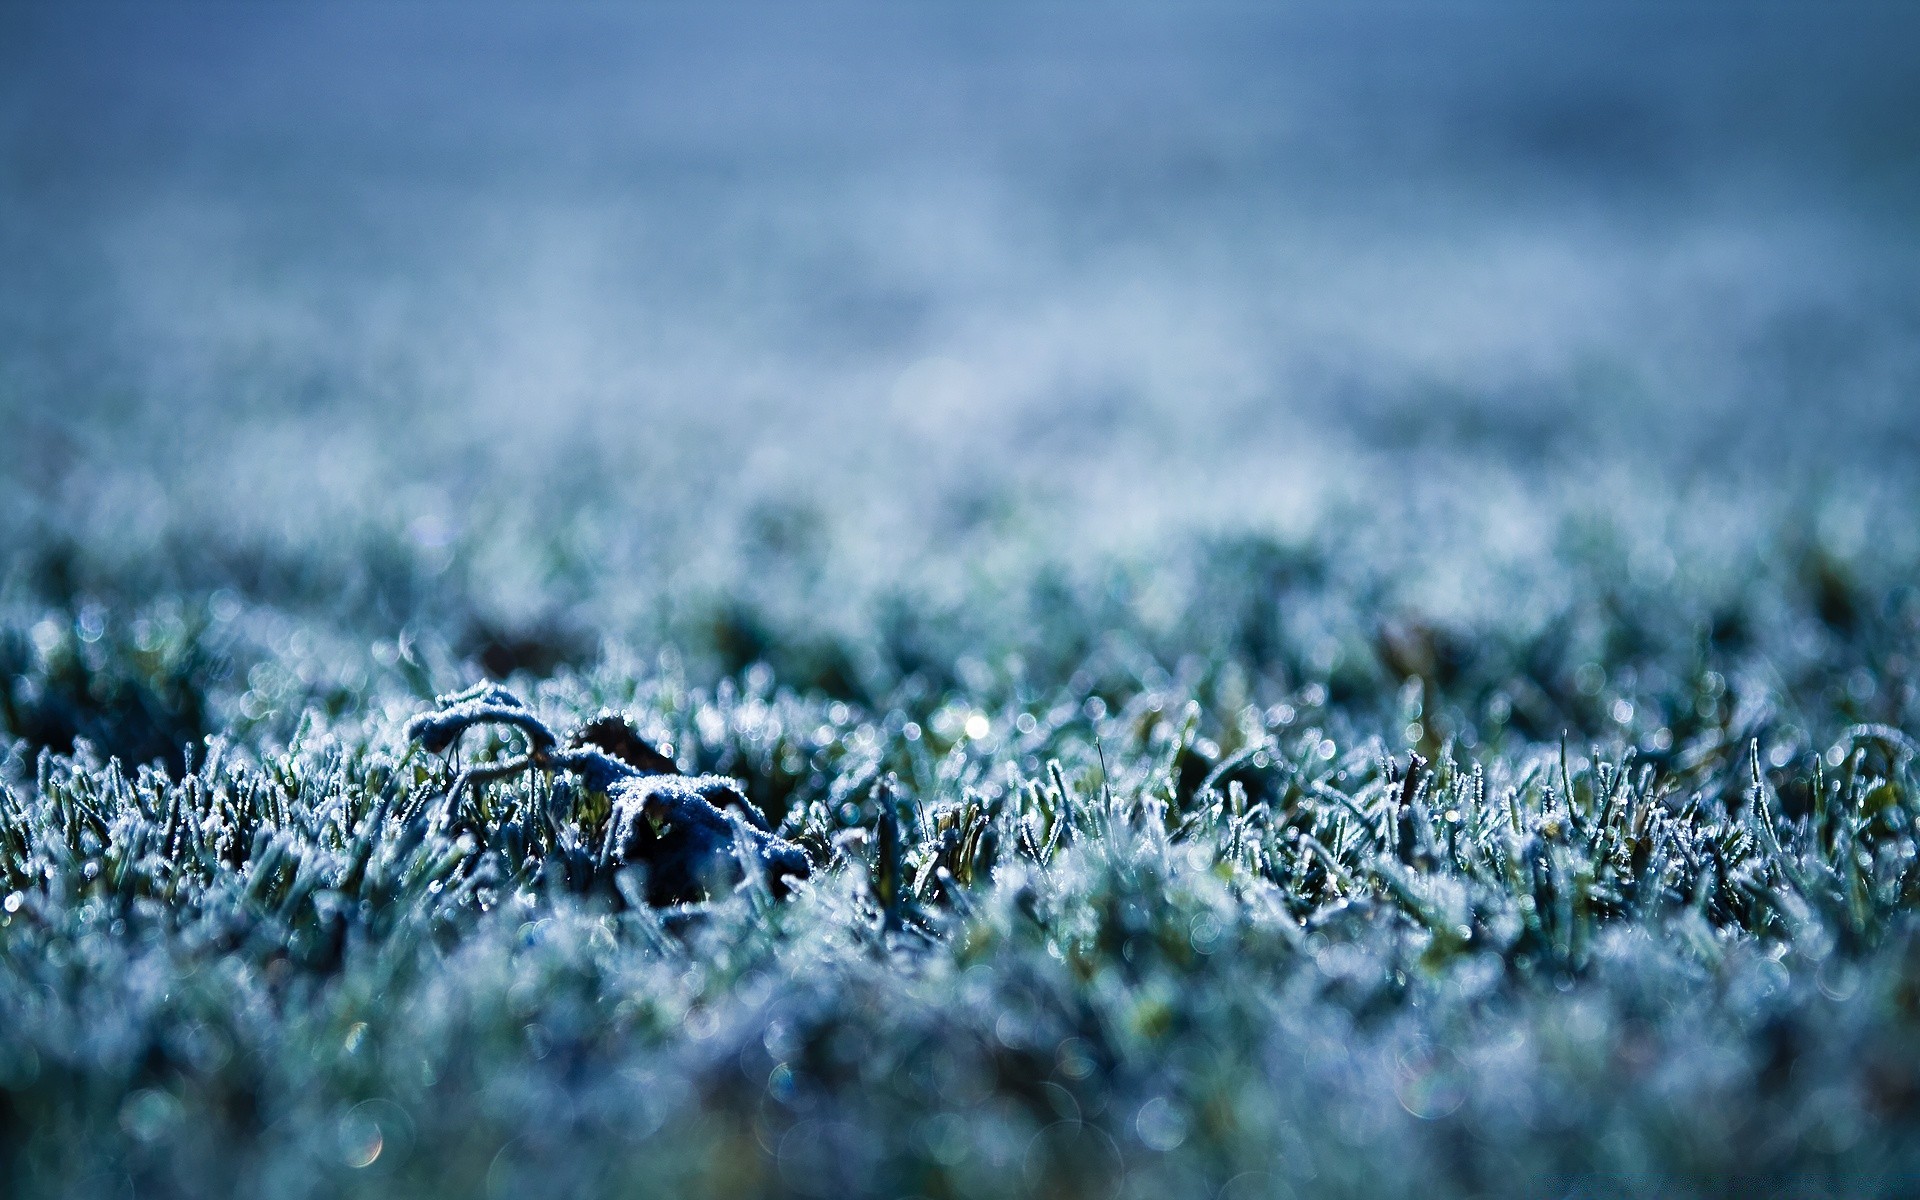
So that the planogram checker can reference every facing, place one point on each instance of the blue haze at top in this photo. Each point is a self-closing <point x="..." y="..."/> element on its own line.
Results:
<point x="1094" y="271"/>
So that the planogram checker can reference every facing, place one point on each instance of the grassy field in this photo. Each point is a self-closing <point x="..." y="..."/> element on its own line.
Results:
<point x="1107" y="902"/>
<point x="1332" y="596"/>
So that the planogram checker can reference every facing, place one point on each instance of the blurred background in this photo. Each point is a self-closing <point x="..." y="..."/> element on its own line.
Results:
<point x="572" y="319"/>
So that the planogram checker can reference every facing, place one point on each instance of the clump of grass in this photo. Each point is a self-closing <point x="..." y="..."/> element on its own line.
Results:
<point x="138" y="685"/>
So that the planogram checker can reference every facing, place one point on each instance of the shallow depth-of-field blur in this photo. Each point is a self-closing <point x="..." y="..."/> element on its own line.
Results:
<point x="1064" y="459"/>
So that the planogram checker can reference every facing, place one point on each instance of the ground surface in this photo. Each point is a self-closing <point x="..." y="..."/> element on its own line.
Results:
<point x="1098" y="447"/>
